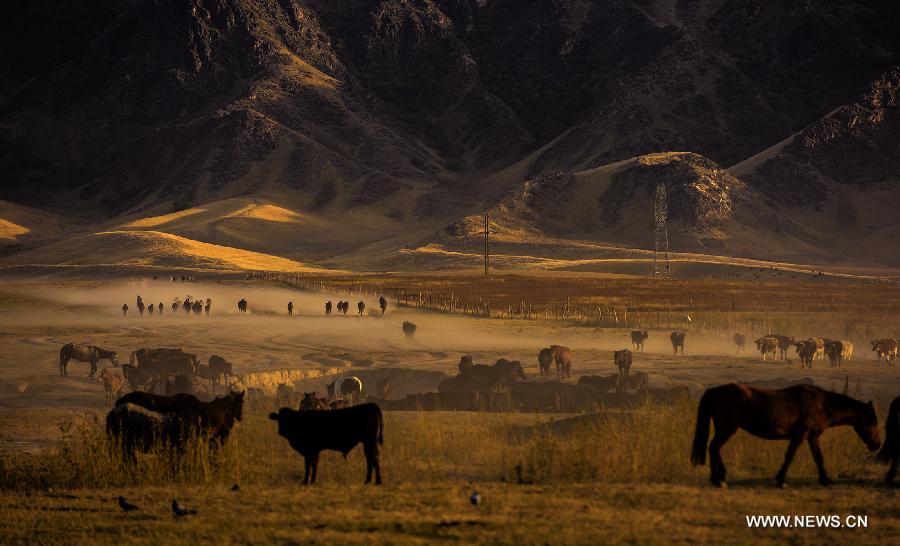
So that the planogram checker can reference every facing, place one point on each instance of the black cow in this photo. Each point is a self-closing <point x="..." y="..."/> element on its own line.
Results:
<point x="638" y="337"/>
<point x="311" y="432"/>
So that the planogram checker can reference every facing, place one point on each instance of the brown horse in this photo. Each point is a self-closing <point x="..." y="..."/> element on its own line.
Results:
<point x="890" y="451"/>
<point x="798" y="413"/>
<point x="545" y="360"/>
<point x="563" y="358"/>
<point x="84" y="353"/>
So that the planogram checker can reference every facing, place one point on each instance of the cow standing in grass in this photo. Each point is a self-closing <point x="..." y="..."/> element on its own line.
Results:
<point x="767" y="345"/>
<point x="311" y="432"/>
<point x="677" y="338"/>
<point x="739" y="342"/>
<point x="623" y="361"/>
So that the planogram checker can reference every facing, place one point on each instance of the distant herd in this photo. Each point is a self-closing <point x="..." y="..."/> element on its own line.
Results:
<point x="173" y="398"/>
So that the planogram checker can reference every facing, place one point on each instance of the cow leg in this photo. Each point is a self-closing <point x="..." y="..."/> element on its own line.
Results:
<point x="813" y="441"/>
<point x="307" y="469"/>
<point x="788" y="458"/>
<point x="372" y="462"/>
<point x="315" y="466"/>
<point x="63" y="364"/>
<point x="717" y="471"/>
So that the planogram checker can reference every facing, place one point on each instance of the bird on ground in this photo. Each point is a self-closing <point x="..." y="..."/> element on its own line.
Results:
<point x="125" y="505"/>
<point x="475" y="499"/>
<point x="181" y="511"/>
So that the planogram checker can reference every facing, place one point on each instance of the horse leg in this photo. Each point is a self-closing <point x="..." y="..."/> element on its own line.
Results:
<point x="306" y="466"/>
<point x="892" y="471"/>
<point x="813" y="441"/>
<point x="63" y="364"/>
<point x="717" y="470"/>
<point x="788" y="457"/>
<point x="93" y="369"/>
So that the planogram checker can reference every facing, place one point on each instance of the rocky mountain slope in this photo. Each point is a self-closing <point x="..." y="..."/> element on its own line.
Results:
<point x="381" y="122"/>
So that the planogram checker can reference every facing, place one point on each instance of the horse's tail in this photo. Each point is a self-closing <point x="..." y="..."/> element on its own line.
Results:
<point x="891" y="432"/>
<point x="701" y="432"/>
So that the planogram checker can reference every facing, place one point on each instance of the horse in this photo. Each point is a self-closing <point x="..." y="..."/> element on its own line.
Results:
<point x="890" y="451"/>
<point x="350" y="388"/>
<point x="174" y="308"/>
<point x="409" y="329"/>
<point x="208" y="306"/>
<point x="290" y="308"/>
<point x="362" y="307"/>
<point x="327" y="308"/>
<point x="85" y="353"/>
<point x="798" y="413"/>
<point x="545" y="360"/>
<point x="563" y="358"/>
<point x="113" y="385"/>
<point x="124" y="309"/>
<point x="160" y="307"/>
<point x="219" y="367"/>
<point x="382" y="303"/>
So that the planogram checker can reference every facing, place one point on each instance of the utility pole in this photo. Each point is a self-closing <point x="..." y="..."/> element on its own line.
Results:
<point x="487" y="236"/>
<point x="661" y="234"/>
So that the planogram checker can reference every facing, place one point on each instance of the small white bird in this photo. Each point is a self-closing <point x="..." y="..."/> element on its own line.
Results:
<point x="475" y="499"/>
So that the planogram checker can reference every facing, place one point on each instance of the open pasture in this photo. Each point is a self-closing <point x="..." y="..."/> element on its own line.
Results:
<point x="597" y="478"/>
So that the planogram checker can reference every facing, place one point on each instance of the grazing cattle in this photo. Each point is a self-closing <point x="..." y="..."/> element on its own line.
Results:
<point x="220" y="367"/>
<point x="309" y="433"/>
<point x="885" y="349"/>
<point x="806" y="350"/>
<point x="890" y="451"/>
<point x="177" y="418"/>
<point x="138" y="378"/>
<point x="784" y="343"/>
<point x="409" y="329"/>
<point x="480" y="377"/>
<point x="362" y="307"/>
<point x="677" y="338"/>
<point x="605" y="383"/>
<point x="311" y="402"/>
<point x="350" y="388"/>
<point x="124" y="309"/>
<point x="767" y="345"/>
<point x="633" y="382"/>
<point x="638" y="337"/>
<point x="739" y="342"/>
<point x="800" y="414"/>
<point x="623" y="361"/>
<point x="242" y="305"/>
<point x="545" y="360"/>
<point x="562" y="356"/>
<point x="113" y="385"/>
<point x="140" y="307"/>
<point x="165" y="361"/>
<point x="84" y="353"/>
<point x="284" y="395"/>
<point x="835" y="352"/>
<point x="847" y="352"/>
<point x="151" y="309"/>
<point x="465" y="363"/>
<point x="327" y="308"/>
<point x="382" y="303"/>
<point x="290" y="308"/>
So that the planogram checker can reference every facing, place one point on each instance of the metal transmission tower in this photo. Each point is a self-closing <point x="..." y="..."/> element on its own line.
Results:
<point x="487" y="236"/>
<point x="661" y="236"/>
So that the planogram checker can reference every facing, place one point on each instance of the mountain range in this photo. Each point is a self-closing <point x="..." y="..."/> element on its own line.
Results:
<point x="372" y="134"/>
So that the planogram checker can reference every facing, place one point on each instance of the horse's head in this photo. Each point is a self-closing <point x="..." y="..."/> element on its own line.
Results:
<point x="114" y="358"/>
<point x="866" y="426"/>
<point x="237" y="399"/>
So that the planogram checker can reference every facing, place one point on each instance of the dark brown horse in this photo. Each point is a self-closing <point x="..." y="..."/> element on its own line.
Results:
<point x="84" y="353"/>
<point x="800" y="413"/>
<point x="890" y="451"/>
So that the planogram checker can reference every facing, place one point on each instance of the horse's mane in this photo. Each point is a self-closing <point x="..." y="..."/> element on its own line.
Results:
<point x="843" y="402"/>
